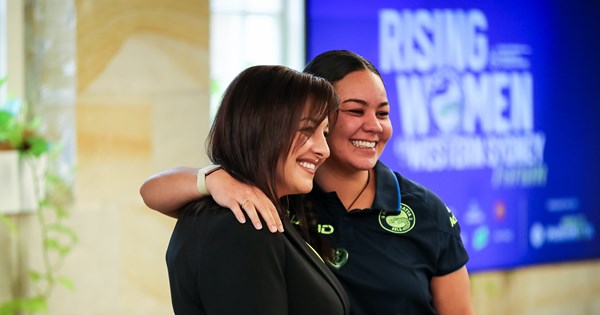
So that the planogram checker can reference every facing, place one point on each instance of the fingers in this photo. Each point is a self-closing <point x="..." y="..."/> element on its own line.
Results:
<point x="254" y="203"/>
<point x="237" y="212"/>
<point x="250" y="210"/>
<point x="268" y="211"/>
<point x="259" y="204"/>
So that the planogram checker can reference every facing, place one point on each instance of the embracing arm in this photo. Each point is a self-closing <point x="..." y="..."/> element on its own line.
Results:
<point x="452" y="293"/>
<point x="169" y="190"/>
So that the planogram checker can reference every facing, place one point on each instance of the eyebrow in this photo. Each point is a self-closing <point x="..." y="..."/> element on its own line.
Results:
<point x="363" y="102"/>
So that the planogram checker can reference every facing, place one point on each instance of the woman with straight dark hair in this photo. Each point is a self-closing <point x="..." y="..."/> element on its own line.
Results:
<point x="269" y="132"/>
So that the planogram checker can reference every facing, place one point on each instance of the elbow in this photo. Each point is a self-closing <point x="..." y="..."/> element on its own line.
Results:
<point x="146" y="195"/>
<point x="153" y="200"/>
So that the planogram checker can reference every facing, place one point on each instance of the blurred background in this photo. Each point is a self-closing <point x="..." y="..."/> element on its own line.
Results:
<point x="127" y="88"/>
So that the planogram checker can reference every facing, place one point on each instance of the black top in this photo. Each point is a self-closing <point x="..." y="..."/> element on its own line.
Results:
<point x="218" y="266"/>
<point x="387" y="255"/>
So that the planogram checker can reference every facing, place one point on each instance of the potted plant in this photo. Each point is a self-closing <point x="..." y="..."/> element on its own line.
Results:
<point x="28" y="186"/>
<point x="22" y="160"/>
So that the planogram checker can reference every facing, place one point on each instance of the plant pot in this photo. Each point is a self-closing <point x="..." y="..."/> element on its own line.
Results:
<point x="22" y="182"/>
<point x="10" y="192"/>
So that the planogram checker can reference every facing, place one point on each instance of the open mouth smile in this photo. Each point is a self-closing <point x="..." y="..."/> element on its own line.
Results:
<point x="363" y="144"/>
<point x="307" y="165"/>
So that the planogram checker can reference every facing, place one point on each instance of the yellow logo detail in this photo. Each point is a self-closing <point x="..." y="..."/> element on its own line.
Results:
<point x="453" y="220"/>
<point x="325" y="229"/>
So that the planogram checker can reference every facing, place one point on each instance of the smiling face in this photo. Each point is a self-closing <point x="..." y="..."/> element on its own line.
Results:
<point x="296" y="171"/>
<point x="358" y="136"/>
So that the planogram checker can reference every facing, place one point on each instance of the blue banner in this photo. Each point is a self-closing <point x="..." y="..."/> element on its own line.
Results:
<point x="495" y="107"/>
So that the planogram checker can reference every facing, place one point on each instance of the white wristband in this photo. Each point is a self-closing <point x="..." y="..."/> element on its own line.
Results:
<point x="201" y="178"/>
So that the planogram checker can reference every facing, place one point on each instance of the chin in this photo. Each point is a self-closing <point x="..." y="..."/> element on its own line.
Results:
<point x="307" y="188"/>
<point x="365" y="164"/>
<point x="300" y="188"/>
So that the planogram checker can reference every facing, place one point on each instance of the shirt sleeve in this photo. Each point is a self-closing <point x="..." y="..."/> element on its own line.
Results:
<point x="452" y="254"/>
<point x="239" y="270"/>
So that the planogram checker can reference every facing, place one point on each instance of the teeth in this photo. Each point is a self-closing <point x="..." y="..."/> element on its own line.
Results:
<point x="363" y="144"/>
<point x="310" y="166"/>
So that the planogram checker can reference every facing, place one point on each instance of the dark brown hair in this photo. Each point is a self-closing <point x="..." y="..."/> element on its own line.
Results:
<point x="258" y="118"/>
<point x="334" y="65"/>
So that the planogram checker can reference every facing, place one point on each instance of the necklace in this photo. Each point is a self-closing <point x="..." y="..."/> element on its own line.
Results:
<point x="361" y="191"/>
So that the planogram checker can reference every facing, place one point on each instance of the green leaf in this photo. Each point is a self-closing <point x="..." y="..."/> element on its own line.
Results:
<point x="54" y="244"/>
<point x="9" y="307"/>
<point x="35" y="304"/>
<point x="7" y="122"/>
<point x="61" y="212"/>
<point x="11" y="129"/>
<point x="66" y="282"/>
<point x="12" y="227"/>
<point x="35" y="276"/>
<point x="53" y="178"/>
<point x="64" y="230"/>
<point x="6" y="119"/>
<point x="37" y="145"/>
<point x="34" y="123"/>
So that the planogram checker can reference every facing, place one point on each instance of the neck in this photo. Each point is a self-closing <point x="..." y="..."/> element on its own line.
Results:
<point x="329" y="176"/>
<point x="349" y="185"/>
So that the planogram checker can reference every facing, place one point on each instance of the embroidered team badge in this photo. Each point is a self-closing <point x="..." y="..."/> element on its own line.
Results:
<point x="399" y="223"/>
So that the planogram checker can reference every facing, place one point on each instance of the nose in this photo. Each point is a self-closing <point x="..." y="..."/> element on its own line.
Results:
<point x="321" y="148"/>
<point x="371" y="123"/>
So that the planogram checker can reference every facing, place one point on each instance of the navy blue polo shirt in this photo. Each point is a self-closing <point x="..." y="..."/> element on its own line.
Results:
<point x="386" y="255"/>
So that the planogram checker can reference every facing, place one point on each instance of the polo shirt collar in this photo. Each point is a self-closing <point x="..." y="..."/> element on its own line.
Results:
<point x="387" y="194"/>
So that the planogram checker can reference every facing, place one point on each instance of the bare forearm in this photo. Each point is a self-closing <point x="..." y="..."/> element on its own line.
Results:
<point x="452" y="293"/>
<point x="167" y="191"/>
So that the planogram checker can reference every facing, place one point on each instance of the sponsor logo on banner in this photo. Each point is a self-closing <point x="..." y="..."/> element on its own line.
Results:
<point x="570" y="229"/>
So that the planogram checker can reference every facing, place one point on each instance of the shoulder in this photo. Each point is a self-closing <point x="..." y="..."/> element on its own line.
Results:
<point x="424" y="200"/>
<point x="413" y="190"/>
<point x="207" y="239"/>
<point x="409" y="189"/>
<point x="209" y="225"/>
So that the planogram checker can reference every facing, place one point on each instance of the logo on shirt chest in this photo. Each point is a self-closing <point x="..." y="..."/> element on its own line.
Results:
<point x="399" y="223"/>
